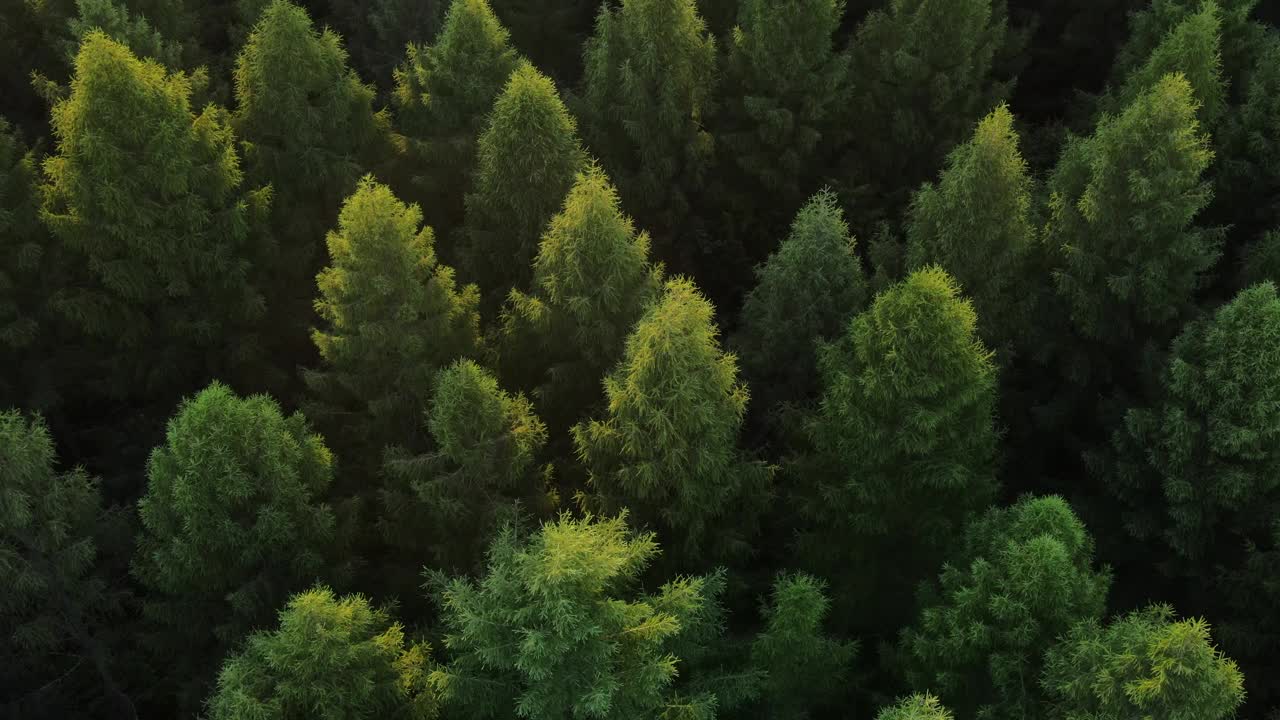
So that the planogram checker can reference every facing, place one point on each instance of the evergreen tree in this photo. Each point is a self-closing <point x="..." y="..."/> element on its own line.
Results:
<point x="977" y="223"/>
<point x="131" y="30"/>
<point x="158" y="221"/>
<point x="667" y="449"/>
<point x="449" y="503"/>
<point x="231" y="525"/>
<point x="805" y="292"/>
<point x="333" y="655"/>
<point x="592" y="280"/>
<point x="1023" y="576"/>
<point x="916" y="707"/>
<point x="552" y="628"/>
<point x="905" y="439"/>
<point x="376" y="32"/>
<point x="527" y="158"/>
<point x="1146" y="664"/>
<point x="393" y="317"/>
<point x="443" y="95"/>
<point x="649" y="78"/>
<point x="1248" y="158"/>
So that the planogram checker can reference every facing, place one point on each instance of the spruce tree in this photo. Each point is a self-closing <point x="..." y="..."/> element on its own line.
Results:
<point x="1145" y="664"/>
<point x="648" y="84"/>
<point x="592" y="280"/>
<point x="158" y="221"/>
<point x="805" y="293"/>
<point x="916" y="707"/>
<point x="335" y="655"/>
<point x="393" y="316"/>
<point x="553" y="627"/>
<point x="905" y="440"/>
<point x="1023" y="576"/>
<point x="667" y="448"/>
<point x="527" y="158"/>
<point x="977" y="223"/>
<point x="443" y="94"/>
<point x="232" y="523"/>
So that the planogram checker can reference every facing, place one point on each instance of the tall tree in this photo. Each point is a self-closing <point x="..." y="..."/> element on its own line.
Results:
<point x="232" y="523"/>
<point x="527" y="158"/>
<point x="1023" y="576"/>
<point x="667" y="449"/>
<point x="335" y="655"/>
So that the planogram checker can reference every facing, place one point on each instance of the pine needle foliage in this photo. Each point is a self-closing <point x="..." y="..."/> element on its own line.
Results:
<point x="916" y="707"/>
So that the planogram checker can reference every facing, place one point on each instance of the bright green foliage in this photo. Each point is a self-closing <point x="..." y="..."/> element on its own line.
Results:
<point x="976" y="222"/>
<point x="393" y="317"/>
<point x="1144" y="665"/>
<point x="130" y="30"/>
<point x="231" y="520"/>
<point x="1023" y="576"/>
<point x="592" y="280"/>
<point x="803" y="668"/>
<point x="442" y="98"/>
<point x="487" y="460"/>
<point x="146" y="194"/>
<point x="552" y="629"/>
<point x="786" y="85"/>
<point x="331" y="658"/>
<point x="906" y="420"/>
<point x="923" y="76"/>
<point x="668" y="446"/>
<point x="650" y="73"/>
<point x="916" y="707"/>
<point x="805" y="292"/>
<point x="527" y="158"/>
<point x="1123" y="203"/>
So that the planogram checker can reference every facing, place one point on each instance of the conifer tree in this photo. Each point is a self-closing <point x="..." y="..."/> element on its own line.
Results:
<point x="552" y="627"/>
<point x="132" y="30"/>
<point x="916" y="707"/>
<point x="1023" y="576"/>
<point x="232" y="523"/>
<point x="335" y="655"/>
<point x="905" y="438"/>
<point x="1145" y="664"/>
<point x="976" y="222"/>
<point x="527" y="158"/>
<point x="158" y="220"/>
<point x="592" y="280"/>
<point x="443" y="94"/>
<point x="667" y="449"/>
<point x="485" y="471"/>
<point x="1248" y="149"/>
<point x="805" y="293"/>
<point x="648" y="84"/>
<point x="393" y="316"/>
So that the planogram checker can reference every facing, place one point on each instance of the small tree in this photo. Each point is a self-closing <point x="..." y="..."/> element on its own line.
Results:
<point x="916" y="707"/>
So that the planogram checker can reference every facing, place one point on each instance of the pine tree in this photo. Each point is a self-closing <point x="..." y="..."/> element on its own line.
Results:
<point x="649" y="78"/>
<point x="1023" y="576"/>
<point x="232" y="523"/>
<point x="393" y="317"/>
<point x="905" y="439"/>
<point x="443" y="94"/>
<point x="527" y="158"/>
<point x="805" y="293"/>
<point x="156" y="218"/>
<point x="916" y="707"/>
<point x="592" y="280"/>
<point x="335" y="655"/>
<point x="977" y="223"/>
<point x="667" y="449"/>
<point x="132" y="30"/>
<point x="485" y="471"/>
<point x="1145" y="664"/>
<point x="552" y="627"/>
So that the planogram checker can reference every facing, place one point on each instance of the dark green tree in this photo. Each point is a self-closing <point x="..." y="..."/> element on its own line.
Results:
<point x="1248" y="149"/>
<point x="551" y="34"/>
<point x="1023" y="576"/>
<point x="1146" y="664"/>
<point x="335" y="656"/>
<point x="667" y="448"/>
<point x="916" y="707"/>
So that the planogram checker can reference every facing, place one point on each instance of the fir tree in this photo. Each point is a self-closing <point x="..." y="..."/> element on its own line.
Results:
<point x="1145" y="664"/>
<point x="333" y="655"/>
<point x="805" y="293"/>
<point x="916" y="707"/>
<point x="527" y="158"/>
<point x="1023" y="576"/>
<point x="977" y="223"/>
<point x="667" y="448"/>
